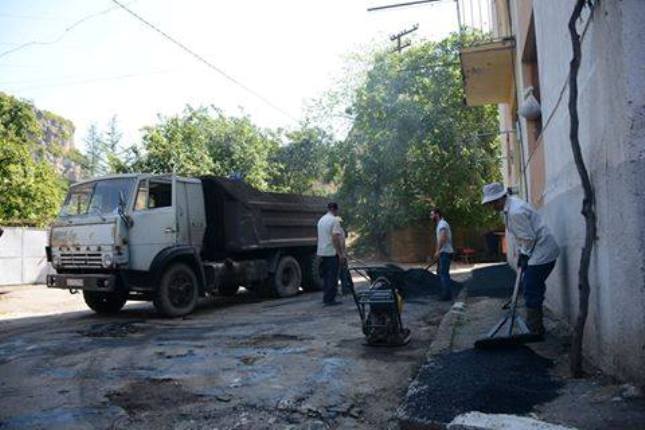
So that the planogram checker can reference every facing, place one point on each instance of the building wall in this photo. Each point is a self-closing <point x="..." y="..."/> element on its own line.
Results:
<point x="611" y="107"/>
<point x="22" y="256"/>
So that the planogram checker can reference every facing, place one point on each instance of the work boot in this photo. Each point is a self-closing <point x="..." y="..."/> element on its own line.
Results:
<point x="534" y="321"/>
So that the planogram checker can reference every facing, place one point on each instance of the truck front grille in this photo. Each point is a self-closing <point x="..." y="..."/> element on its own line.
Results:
<point x="81" y="259"/>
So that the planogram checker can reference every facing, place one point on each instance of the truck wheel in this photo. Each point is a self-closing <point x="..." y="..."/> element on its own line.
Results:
<point x="287" y="277"/>
<point x="312" y="279"/>
<point x="104" y="303"/>
<point x="228" y="290"/>
<point x="178" y="292"/>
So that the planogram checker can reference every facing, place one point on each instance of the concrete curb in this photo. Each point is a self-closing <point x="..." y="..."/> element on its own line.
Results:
<point x="443" y="340"/>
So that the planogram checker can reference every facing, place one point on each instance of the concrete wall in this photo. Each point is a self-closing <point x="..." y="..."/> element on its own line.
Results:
<point x="22" y="256"/>
<point x="612" y="133"/>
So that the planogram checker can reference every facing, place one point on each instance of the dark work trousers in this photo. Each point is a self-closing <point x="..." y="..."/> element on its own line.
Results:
<point x="533" y="281"/>
<point x="445" y="258"/>
<point x="346" y="282"/>
<point x="330" y="276"/>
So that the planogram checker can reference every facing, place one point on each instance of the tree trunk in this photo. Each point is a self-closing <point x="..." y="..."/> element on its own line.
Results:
<point x="588" y="202"/>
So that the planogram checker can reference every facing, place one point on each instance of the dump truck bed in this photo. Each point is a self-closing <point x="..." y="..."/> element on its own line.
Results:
<point x="243" y="219"/>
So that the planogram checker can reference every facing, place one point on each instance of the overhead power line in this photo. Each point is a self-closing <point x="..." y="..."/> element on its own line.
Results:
<point x="205" y="61"/>
<point x="60" y="36"/>
<point x="397" y="5"/>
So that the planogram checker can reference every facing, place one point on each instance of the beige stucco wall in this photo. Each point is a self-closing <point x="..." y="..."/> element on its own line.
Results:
<point x="612" y="132"/>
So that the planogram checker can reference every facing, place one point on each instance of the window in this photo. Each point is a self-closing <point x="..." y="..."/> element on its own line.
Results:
<point x="78" y="200"/>
<point x="159" y="195"/>
<point x="142" y="196"/>
<point x="153" y="194"/>
<point x="98" y="197"/>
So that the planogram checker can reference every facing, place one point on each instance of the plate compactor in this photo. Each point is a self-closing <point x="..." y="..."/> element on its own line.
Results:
<point x="380" y="306"/>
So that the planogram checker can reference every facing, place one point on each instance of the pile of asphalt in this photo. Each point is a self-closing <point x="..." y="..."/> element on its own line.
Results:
<point x="413" y="282"/>
<point x="491" y="281"/>
<point x="511" y="381"/>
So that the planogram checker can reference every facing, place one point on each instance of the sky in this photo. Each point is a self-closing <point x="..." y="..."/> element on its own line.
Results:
<point x="288" y="51"/>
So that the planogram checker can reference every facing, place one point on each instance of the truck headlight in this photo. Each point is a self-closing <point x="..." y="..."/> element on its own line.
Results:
<point x="107" y="260"/>
<point x="56" y="260"/>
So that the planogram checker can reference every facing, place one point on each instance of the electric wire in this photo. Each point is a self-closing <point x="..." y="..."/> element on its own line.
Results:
<point x="60" y="36"/>
<point x="204" y="61"/>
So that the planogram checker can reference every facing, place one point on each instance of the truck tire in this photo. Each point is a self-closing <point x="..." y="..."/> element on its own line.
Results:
<point x="312" y="279"/>
<point x="228" y="290"/>
<point x="104" y="303"/>
<point x="178" y="292"/>
<point x="287" y="277"/>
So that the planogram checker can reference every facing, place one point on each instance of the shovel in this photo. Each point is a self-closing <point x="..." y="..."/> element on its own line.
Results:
<point x="512" y="329"/>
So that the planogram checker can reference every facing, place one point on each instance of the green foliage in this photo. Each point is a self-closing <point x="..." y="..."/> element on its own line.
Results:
<point x="306" y="161"/>
<point x="205" y="141"/>
<point x="30" y="189"/>
<point x="414" y="144"/>
<point x="111" y="147"/>
<point x="94" y="152"/>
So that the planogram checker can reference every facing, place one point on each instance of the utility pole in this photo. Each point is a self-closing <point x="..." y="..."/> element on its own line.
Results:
<point x="400" y="44"/>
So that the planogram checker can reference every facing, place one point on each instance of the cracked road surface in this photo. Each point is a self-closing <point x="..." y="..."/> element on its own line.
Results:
<point x="235" y="363"/>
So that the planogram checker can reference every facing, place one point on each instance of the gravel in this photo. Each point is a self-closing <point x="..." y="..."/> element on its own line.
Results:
<point x="501" y="381"/>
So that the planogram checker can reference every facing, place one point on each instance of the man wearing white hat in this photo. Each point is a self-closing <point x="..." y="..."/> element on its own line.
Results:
<point x="535" y="247"/>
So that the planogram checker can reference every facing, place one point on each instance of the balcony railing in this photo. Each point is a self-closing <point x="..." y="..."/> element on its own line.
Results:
<point x="489" y="18"/>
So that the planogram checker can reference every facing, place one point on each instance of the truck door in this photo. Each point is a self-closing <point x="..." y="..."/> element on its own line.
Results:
<point x="155" y="223"/>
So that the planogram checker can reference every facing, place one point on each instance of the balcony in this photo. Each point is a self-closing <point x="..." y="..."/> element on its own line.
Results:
<point x="486" y="60"/>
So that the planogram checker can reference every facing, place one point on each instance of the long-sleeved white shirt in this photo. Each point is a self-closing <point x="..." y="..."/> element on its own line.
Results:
<point x="529" y="234"/>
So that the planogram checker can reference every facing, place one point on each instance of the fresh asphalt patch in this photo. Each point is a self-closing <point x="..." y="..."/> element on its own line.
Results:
<point x="510" y="381"/>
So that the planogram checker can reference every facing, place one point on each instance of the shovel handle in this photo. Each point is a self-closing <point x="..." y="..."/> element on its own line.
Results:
<point x="516" y="290"/>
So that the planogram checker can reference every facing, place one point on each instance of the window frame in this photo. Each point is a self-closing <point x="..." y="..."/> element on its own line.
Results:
<point x="147" y="181"/>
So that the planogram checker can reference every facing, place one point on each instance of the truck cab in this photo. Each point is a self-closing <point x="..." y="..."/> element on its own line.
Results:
<point x="142" y="237"/>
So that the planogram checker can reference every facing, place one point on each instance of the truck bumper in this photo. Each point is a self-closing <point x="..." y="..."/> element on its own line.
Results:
<point x="82" y="282"/>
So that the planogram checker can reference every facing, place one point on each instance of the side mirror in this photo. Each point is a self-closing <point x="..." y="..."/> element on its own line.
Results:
<point x="121" y="209"/>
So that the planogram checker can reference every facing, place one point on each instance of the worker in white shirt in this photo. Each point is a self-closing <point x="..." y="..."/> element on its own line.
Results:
<point x="443" y="252"/>
<point x="331" y="238"/>
<point x="535" y="248"/>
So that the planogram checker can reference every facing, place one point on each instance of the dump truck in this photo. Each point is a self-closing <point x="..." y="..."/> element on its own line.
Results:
<point x="170" y="240"/>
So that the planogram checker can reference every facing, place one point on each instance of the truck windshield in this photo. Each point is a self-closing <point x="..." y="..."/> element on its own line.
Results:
<point x="98" y="197"/>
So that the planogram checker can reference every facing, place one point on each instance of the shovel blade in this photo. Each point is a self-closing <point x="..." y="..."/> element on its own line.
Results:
<point x="500" y="337"/>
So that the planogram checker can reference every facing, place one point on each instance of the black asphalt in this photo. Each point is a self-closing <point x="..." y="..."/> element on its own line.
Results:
<point x="491" y="281"/>
<point x="501" y="381"/>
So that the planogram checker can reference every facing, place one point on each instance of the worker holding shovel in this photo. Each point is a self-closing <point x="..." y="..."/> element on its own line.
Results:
<point x="443" y="253"/>
<point x="535" y="248"/>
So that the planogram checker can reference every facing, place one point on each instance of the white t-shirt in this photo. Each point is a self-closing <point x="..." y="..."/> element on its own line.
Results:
<point x="328" y="225"/>
<point x="447" y="247"/>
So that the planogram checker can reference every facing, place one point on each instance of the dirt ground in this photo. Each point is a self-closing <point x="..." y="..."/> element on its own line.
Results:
<point x="235" y="363"/>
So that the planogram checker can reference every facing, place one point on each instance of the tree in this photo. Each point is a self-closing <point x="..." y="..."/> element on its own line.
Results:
<point x="94" y="150"/>
<point x="305" y="162"/>
<point x="111" y="146"/>
<point x="30" y="189"/>
<point x="588" y="202"/>
<point x="204" y="141"/>
<point x="414" y="144"/>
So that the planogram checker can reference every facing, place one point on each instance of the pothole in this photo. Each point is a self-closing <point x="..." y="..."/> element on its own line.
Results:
<point x="152" y="395"/>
